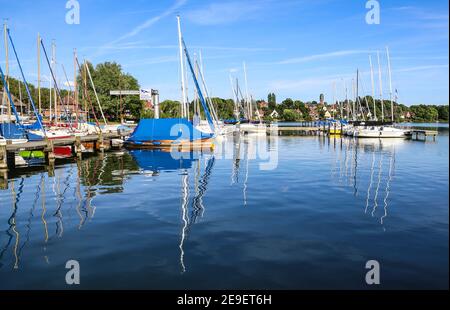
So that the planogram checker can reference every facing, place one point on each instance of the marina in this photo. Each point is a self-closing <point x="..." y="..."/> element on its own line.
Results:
<point x="191" y="236"/>
<point x="224" y="146"/>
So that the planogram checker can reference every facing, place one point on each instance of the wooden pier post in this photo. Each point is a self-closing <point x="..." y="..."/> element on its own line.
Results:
<point x="11" y="160"/>
<point x="49" y="152"/>
<point x="77" y="148"/>
<point x="100" y="144"/>
<point x="3" y="158"/>
<point x="3" y="167"/>
<point x="3" y="179"/>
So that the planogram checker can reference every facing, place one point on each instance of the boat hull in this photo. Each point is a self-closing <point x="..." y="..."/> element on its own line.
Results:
<point x="381" y="133"/>
<point x="158" y="144"/>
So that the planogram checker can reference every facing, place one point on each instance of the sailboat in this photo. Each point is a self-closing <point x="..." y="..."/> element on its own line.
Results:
<point x="251" y="127"/>
<point x="383" y="130"/>
<point x="16" y="132"/>
<point x="169" y="132"/>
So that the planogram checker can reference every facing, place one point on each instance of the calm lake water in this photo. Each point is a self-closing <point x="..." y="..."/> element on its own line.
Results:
<point x="311" y="220"/>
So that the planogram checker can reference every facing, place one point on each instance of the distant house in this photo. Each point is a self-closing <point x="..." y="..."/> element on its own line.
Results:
<point x="66" y="107"/>
<point x="263" y="104"/>
<point x="21" y="107"/>
<point x="313" y="112"/>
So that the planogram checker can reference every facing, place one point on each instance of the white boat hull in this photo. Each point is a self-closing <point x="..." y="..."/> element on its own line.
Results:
<point x="253" y="129"/>
<point x="3" y="141"/>
<point x="380" y="132"/>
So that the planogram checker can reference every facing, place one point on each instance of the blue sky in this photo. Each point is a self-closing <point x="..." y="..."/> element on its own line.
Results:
<point x="295" y="48"/>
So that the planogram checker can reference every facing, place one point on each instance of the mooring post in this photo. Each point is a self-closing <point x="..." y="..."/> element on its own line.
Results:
<point x="49" y="152"/>
<point x="101" y="146"/>
<point x="3" y="167"/>
<point x="3" y="158"/>
<point x="78" y="150"/>
<point x="3" y="179"/>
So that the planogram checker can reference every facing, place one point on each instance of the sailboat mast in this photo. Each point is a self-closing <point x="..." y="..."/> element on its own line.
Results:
<point x="354" y="100"/>
<point x="186" y="79"/>
<point x="341" y="104"/>
<point x="236" y="112"/>
<point x="183" y="87"/>
<point x="75" y="86"/>
<point x="196" y="103"/>
<point x="54" y="88"/>
<point x="334" y="99"/>
<point x="381" y="86"/>
<point x="51" y="103"/>
<point x="346" y="101"/>
<point x="39" y="73"/>
<point x="357" y="84"/>
<point x="20" y="99"/>
<point x="390" y="84"/>
<point x="373" y="88"/>
<point x="95" y="93"/>
<point x="208" y="97"/>
<point x="5" y="98"/>
<point x="247" y="99"/>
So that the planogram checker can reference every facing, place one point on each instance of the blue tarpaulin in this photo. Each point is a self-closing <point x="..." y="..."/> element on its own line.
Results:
<point x="36" y="125"/>
<point x="158" y="160"/>
<point x="14" y="131"/>
<point x="149" y="130"/>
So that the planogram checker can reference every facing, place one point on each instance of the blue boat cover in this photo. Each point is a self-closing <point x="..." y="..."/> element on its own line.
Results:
<point x="166" y="129"/>
<point x="36" y="125"/>
<point x="159" y="160"/>
<point x="14" y="131"/>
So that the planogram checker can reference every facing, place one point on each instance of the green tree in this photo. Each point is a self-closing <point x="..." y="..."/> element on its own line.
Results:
<point x="272" y="101"/>
<point x="443" y="113"/>
<point x="290" y="115"/>
<point x="109" y="76"/>
<point x="287" y="104"/>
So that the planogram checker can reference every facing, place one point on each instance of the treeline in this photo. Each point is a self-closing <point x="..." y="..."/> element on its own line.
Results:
<point x="297" y="110"/>
<point x="18" y="90"/>
<point x="109" y="76"/>
<point x="106" y="76"/>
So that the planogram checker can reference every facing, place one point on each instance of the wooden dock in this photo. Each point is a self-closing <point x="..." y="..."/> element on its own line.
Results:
<point x="101" y="142"/>
<point x="306" y="131"/>
<point x="419" y="134"/>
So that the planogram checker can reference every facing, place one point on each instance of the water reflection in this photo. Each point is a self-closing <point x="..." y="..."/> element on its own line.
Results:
<point x="367" y="165"/>
<point x="41" y="210"/>
<point x="189" y="166"/>
<point x="76" y="183"/>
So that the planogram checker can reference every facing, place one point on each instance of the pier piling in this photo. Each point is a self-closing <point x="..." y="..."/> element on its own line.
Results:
<point x="77" y="147"/>
<point x="3" y="158"/>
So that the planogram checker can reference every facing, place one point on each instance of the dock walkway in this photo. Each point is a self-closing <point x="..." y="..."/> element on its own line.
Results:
<point x="8" y="152"/>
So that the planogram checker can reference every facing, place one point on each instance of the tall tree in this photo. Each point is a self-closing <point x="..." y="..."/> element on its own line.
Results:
<point x="109" y="76"/>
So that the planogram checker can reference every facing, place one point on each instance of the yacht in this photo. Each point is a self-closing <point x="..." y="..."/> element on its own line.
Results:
<point x="381" y="132"/>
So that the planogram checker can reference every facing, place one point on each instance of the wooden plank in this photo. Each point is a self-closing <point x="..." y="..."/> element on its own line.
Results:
<point x="39" y="145"/>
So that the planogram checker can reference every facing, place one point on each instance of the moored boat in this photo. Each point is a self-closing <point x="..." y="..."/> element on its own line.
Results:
<point x="168" y="132"/>
<point x="381" y="132"/>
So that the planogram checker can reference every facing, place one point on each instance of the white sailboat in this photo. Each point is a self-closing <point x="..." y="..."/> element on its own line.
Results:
<point x="383" y="131"/>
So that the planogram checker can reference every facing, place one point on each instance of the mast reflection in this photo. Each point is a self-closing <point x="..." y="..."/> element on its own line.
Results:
<point x="75" y="183"/>
<point x="371" y="162"/>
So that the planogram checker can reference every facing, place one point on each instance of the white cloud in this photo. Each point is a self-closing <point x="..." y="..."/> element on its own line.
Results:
<point x="148" y="23"/>
<point x="153" y="61"/>
<point x="224" y="12"/>
<point x="422" y="68"/>
<point x="322" y="56"/>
